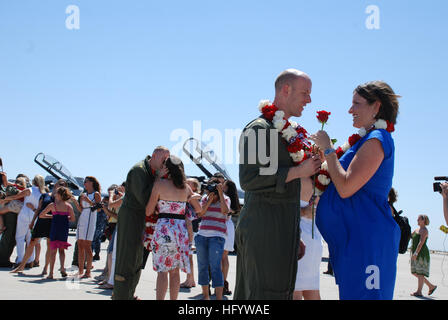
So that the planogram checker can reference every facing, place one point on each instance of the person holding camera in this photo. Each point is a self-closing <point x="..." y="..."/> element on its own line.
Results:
<point x="85" y="231"/>
<point x="444" y="192"/>
<point x="211" y="238"/>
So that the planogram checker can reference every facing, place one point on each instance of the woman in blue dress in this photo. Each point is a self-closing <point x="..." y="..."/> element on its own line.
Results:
<point x="353" y="214"/>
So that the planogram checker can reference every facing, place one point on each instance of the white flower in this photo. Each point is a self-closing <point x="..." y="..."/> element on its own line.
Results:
<point x="324" y="166"/>
<point x="318" y="192"/>
<point x="345" y="146"/>
<point x="279" y="124"/>
<point x="294" y="124"/>
<point x="298" y="156"/>
<point x="362" y="132"/>
<point x="263" y="103"/>
<point x="289" y="133"/>
<point x="381" y="124"/>
<point x="323" y="179"/>
<point x="279" y="114"/>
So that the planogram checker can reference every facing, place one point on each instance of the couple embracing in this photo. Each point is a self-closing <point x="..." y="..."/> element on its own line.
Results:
<point x="278" y="168"/>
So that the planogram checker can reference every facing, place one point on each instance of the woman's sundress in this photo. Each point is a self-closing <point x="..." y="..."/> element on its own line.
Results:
<point x="170" y="243"/>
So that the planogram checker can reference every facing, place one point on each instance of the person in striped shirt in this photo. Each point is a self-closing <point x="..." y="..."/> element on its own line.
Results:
<point x="211" y="238"/>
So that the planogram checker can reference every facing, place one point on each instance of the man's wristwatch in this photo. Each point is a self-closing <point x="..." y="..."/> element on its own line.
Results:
<point x="329" y="151"/>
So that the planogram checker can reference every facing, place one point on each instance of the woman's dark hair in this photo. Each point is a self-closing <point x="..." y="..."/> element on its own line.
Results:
<point x="232" y="193"/>
<point x="96" y="184"/>
<point x="176" y="171"/>
<point x="392" y="195"/>
<point x="380" y="91"/>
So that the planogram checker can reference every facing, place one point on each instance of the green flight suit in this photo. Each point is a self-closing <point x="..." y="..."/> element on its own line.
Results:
<point x="267" y="234"/>
<point x="8" y="240"/>
<point x="130" y="228"/>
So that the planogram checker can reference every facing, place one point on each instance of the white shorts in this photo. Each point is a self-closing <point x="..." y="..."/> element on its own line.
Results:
<point x="230" y="237"/>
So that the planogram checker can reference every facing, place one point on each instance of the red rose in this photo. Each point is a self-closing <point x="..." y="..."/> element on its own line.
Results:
<point x="269" y="112"/>
<point x="322" y="116"/>
<point x="390" y="127"/>
<point x="339" y="152"/>
<point x="353" y="139"/>
<point x="296" y="146"/>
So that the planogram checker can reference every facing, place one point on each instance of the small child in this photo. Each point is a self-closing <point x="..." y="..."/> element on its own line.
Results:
<point x="61" y="213"/>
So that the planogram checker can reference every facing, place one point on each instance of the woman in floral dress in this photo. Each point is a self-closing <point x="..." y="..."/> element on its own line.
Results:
<point x="420" y="256"/>
<point x="170" y="242"/>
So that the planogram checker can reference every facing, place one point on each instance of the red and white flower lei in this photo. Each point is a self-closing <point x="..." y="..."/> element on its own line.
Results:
<point x="323" y="177"/>
<point x="299" y="147"/>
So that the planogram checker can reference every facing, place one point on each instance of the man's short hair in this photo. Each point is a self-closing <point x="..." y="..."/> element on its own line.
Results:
<point x="161" y="148"/>
<point x="287" y="77"/>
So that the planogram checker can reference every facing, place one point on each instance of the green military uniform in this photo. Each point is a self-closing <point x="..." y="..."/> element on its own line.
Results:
<point x="8" y="240"/>
<point x="130" y="228"/>
<point x="267" y="234"/>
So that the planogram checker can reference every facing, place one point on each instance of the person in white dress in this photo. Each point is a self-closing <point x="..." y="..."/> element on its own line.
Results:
<point x="86" y="224"/>
<point x="25" y="216"/>
<point x="308" y="268"/>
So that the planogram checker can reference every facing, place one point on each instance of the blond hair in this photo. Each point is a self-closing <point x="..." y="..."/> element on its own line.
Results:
<point x="21" y="181"/>
<point x="196" y="184"/>
<point x="39" y="182"/>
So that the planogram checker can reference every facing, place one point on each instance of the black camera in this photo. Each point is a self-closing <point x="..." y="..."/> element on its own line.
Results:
<point x="211" y="187"/>
<point x="437" y="185"/>
<point x="96" y="206"/>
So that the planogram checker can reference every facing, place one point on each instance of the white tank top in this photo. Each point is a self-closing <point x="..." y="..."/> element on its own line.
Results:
<point x="33" y="198"/>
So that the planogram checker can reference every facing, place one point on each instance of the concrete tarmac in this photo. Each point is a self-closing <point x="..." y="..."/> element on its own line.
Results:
<point x="30" y="285"/>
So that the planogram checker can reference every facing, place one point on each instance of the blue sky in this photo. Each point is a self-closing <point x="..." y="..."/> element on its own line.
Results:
<point x="102" y="97"/>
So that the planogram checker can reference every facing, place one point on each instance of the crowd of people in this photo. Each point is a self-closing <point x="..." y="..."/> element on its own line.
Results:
<point x="183" y="216"/>
<point x="158" y="211"/>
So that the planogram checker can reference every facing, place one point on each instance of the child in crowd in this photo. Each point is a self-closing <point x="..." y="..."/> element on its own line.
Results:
<point x="61" y="213"/>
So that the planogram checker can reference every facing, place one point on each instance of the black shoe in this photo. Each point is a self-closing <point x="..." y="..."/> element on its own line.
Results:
<point x="29" y="265"/>
<point x="96" y="257"/>
<point x="226" y="290"/>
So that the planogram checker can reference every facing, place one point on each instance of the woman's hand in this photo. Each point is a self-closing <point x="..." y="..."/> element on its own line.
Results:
<point x="30" y="205"/>
<point x="321" y="139"/>
<point x="414" y="257"/>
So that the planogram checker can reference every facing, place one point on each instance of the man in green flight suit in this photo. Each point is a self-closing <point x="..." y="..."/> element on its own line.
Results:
<point x="267" y="234"/>
<point x="131" y="222"/>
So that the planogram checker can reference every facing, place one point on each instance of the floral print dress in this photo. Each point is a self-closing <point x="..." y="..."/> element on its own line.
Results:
<point x="170" y="243"/>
